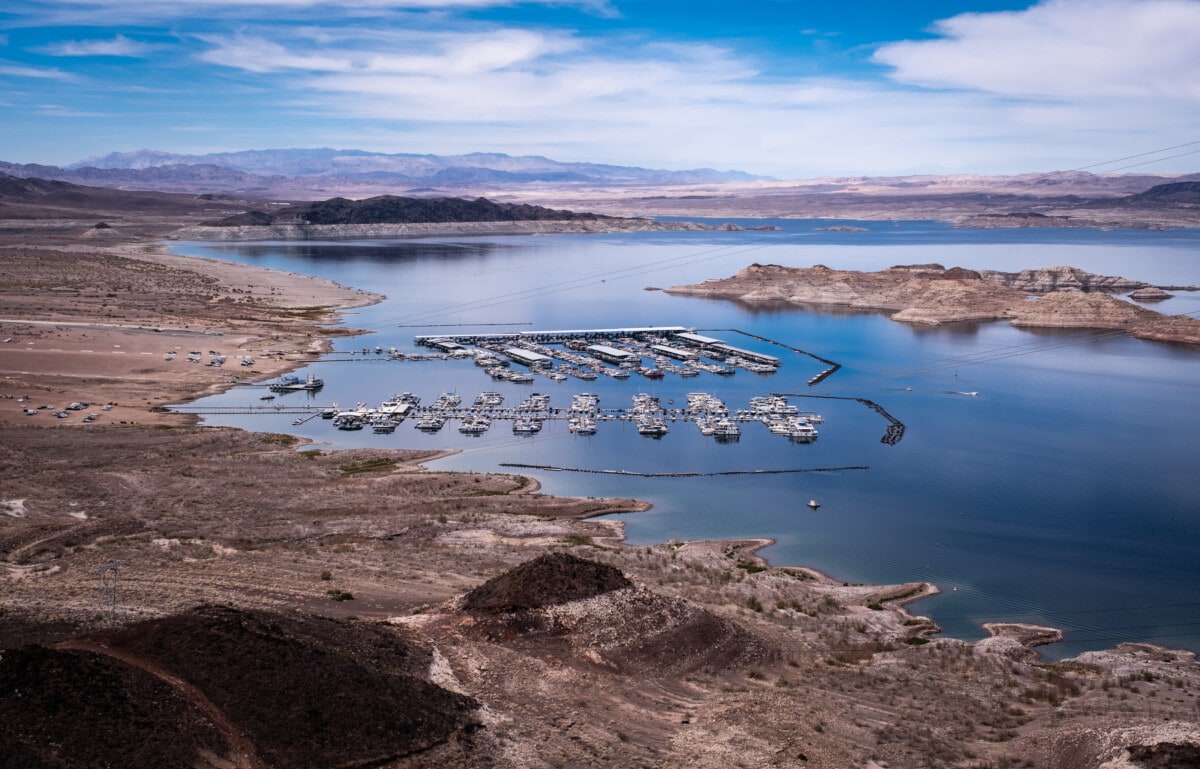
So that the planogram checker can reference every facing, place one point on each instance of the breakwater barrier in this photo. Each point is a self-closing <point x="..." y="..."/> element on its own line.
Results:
<point x="895" y="429"/>
<point x="816" y="380"/>
<point x="639" y="474"/>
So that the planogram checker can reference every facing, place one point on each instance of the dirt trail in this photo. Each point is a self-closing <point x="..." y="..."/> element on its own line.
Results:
<point x="242" y="751"/>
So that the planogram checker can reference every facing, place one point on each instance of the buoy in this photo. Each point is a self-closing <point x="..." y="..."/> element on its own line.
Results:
<point x="814" y="504"/>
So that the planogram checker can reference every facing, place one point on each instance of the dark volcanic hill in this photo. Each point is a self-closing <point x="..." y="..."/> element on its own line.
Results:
<point x="546" y="581"/>
<point x="391" y="209"/>
<point x="34" y="198"/>
<point x="1185" y="193"/>
<point x="293" y="690"/>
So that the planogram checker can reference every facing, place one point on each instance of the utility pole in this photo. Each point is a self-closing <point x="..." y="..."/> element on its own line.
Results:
<point x="110" y="586"/>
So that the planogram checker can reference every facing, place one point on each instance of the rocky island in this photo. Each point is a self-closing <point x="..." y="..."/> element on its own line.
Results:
<point x="391" y="216"/>
<point x="930" y="294"/>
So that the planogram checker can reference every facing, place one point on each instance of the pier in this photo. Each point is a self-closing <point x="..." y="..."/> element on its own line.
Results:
<point x="711" y="416"/>
<point x="821" y="377"/>
<point x="895" y="429"/>
<point x="635" y="473"/>
<point x="546" y="337"/>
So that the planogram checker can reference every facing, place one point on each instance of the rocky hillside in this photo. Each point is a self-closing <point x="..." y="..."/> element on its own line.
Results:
<point x="1177" y="193"/>
<point x="266" y="690"/>
<point x="392" y="209"/>
<point x="931" y="294"/>
<point x="34" y="198"/>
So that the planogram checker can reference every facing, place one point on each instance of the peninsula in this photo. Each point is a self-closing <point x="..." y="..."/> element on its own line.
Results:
<point x="930" y="294"/>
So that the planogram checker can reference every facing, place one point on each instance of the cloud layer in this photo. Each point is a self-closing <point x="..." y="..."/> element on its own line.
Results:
<point x="1059" y="84"/>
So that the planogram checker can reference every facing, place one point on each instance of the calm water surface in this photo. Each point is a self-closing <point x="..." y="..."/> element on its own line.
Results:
<point x="1065" y="492"/>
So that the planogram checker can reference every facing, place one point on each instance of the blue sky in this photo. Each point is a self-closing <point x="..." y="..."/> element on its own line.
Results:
<point x="788" y="89"/>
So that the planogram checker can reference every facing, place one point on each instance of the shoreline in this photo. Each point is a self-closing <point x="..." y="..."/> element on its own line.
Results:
<point x="332" y="320"/>
<point x="533" y="486"/>
<point x="135" y="362"/>
<point x="334" y="232"/>
<point x="752" y="545"/>
<point x="710" y="657"/>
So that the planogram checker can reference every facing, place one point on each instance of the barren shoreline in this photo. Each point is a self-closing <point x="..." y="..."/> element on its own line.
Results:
<point x="711" y="658"/>
<point x="418" y="230"/>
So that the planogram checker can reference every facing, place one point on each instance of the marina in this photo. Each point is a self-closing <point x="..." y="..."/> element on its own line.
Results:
<point x="646" y="412"/>
<point x="984" y="494"/>
<point x="559" y="355"/>
<point x="612" y="352"/>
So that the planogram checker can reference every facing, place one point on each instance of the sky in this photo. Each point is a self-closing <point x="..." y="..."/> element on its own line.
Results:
<point x="784" y="88"/>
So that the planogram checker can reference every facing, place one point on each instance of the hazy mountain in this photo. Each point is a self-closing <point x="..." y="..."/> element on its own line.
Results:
<point x="205" y="177"/>
<point x="472" y="168"/>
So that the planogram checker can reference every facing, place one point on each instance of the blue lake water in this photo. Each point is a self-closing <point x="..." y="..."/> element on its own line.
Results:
<point x="1066" y="492"/>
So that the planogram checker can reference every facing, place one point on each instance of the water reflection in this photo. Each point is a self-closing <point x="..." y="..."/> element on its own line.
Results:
<point x="1066" y="485"/>
<point x="369" y="252"/>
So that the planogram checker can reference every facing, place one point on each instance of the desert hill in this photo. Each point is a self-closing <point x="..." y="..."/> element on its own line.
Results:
<point x="1056" y="199"/>
<point x="35" y="198"/>
<point x="390" y="209"/>
<point x="930" y="294"/>
<point x="269" y="690"/>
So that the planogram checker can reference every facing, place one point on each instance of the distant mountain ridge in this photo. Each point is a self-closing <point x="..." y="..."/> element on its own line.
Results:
<point x="353" y="165"/>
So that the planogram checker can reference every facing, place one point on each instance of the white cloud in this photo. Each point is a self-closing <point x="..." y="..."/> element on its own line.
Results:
<point x="1061" y="49"/>
<point x="39" y="73"/>
<point x="120" y="12"/>
<point x="117" y="46"/>
<point x="399" y="53"/>
<point x="58" y="110"/>
<point x="1061" y="84"/>
<point x="687" y="105"/>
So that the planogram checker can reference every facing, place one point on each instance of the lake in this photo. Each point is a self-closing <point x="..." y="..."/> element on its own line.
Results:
<point x="1065" y="491"/>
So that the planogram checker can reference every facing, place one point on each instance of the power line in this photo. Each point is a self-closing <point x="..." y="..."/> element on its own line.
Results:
<point x="710" y="254"/>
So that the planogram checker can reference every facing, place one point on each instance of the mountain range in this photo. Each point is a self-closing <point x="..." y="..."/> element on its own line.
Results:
<point x="404" y="167"/>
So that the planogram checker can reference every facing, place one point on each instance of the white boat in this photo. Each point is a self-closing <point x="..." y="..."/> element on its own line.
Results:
<point x="652" y="427"/>
<point x="582" y="425"/>
<point x="802" y="432"/>
<point x="383" y="424"/>
<point x="726" y="430"/>
<point x="351" y="419"/>
<point x="399" y="405"/>
<point x="489" y="399"/>
<point x="431" y="423"/>
<point x="293" y="384"/>
<point x="526" y="426"/>
<point x="475" y="425"/>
